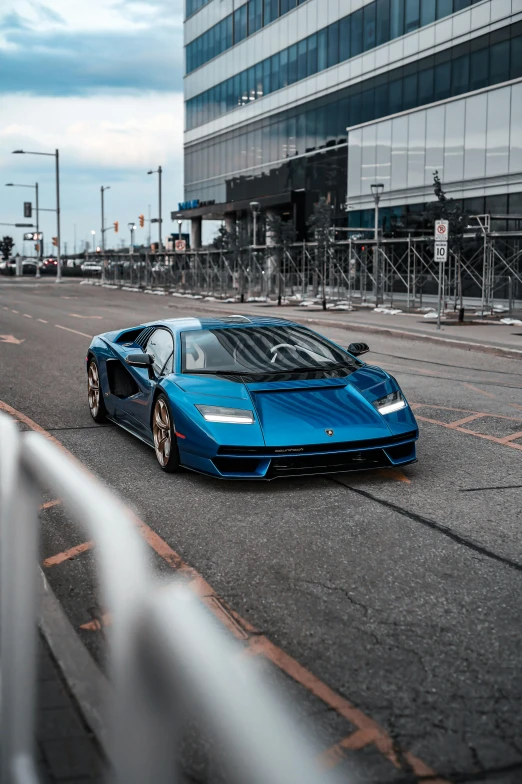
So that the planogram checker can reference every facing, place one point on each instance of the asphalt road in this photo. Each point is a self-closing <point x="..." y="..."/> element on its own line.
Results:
<point x="400" y="592"/>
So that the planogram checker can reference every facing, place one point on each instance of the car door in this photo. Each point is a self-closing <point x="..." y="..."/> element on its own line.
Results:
<point x="135" y="411"/>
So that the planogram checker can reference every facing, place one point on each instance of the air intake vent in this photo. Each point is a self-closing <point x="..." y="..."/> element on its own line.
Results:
<point x="143" y="337"/>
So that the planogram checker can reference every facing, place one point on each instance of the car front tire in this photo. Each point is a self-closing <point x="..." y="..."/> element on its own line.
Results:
<point x="95" y="393"/>
<point x="165" y="441"/>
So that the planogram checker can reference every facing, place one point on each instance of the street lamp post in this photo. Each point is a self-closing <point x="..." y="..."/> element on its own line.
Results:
<point x="93" y="242"/>
<point x="56" y="156"/>
<point x="158" y="171"/>
<point x="180" y="225"/>
<point x="39" y="252"/>
<point x="255" y="207"/>
<point x="377" y="189"/>
<point x="132" y="227"/>
<point x="102" y="191"/>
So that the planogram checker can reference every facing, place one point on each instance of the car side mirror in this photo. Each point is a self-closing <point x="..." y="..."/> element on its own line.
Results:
<point x="139" y="360"/>
<point x="358" y="348"/>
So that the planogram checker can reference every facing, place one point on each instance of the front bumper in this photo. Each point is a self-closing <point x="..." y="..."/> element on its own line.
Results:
<point x="266" y="463"/>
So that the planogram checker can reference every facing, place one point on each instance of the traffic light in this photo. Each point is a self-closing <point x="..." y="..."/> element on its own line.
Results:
<point x="37" y="246"/>
<point x="116" y="226"/>
<point x="55" y="241"/>
<point x="28" y="209"/>
<point x="142" y="221"/>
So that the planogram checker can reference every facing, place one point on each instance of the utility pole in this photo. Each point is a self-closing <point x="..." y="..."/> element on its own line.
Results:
<point x="159" y="172"/>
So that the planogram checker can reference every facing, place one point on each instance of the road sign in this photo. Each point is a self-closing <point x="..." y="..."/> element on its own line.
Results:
<point x="32" y="235"/>
<point x="441" y="252"/>
<point x="441" y="230"/>
<point x="180" y="246"/>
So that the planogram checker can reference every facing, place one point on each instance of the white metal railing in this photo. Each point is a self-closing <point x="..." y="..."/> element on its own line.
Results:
<point x="169" y="658"/>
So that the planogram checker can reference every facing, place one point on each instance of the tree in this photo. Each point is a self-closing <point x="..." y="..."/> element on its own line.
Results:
<point x="221" y="240"/>
<point x="6" y="246"/>
<point x="321" y="223"/>
<point x="281" y="235"/>
<point x="445" y="208"/>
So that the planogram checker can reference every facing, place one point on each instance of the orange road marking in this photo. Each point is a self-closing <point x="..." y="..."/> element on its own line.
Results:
<point x="29" y="422"/>
<point x="96" y="626"/>
<point x="514" y="405"/>
<point x="50" y="504"/>
<point x="476" y="389"/>
<point x="466" y="411"/>
<point x="354" y="742"/>
<point x="260" y="644"/>
<point x="83" y="334"/>
<point x="471" y="432"/>
<point x="43" y="321"/>
<point x="54" y="560"/>
<point x="512" y="437"/>
<point x="459" y="422"/>
<point x="390" y="473"/>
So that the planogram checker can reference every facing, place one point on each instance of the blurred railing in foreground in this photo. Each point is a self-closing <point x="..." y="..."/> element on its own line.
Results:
<point x="170" y="661"/>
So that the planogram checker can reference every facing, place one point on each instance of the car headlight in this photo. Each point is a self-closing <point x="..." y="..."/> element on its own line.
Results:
<point x="390" y="403"/>
<point x="232" y="416"/>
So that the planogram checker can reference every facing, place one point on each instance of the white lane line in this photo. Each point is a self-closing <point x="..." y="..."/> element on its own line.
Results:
<point x="15" y="311"/>
<point x="27" y="315"/>
<point x="83" y="334"/>
<point x="43" y="321"/>
<point x="5" y="307"/>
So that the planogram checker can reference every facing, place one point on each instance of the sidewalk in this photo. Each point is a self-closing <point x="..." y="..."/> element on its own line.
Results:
<point x="492" y="338"/>
<point x="66" y="749"/>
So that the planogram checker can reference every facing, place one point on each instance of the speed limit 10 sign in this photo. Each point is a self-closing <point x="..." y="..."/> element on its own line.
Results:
<point x="441" y="252"/>
<point x="441" y="231"/>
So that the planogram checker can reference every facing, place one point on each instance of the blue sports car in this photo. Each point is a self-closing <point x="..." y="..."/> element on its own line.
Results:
<point x="249" y="398"/>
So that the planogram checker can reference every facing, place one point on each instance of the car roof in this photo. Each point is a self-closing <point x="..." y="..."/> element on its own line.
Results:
<point x="215" y="322"/>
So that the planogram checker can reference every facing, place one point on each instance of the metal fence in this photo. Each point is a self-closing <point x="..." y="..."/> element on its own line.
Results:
<point x="167" y="655"/>
<point x="488" y="270"/>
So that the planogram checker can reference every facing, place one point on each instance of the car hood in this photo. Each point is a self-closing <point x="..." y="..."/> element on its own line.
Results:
<point x="302" y="413"/>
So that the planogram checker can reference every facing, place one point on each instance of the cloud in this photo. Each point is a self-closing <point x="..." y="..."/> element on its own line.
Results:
<point x="76" y="48"/>
<point x="109" y="140"/>
<point x="102" y="81"/>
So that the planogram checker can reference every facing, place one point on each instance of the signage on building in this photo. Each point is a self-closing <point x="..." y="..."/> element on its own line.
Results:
<point x="180" y="246"/>
<point x="192" y="205"/>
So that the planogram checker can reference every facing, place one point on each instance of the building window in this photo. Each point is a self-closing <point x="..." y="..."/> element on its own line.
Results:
<point x="435" y="78"/>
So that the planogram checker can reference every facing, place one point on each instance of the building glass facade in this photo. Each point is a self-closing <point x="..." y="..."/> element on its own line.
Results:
<point x="299" y="150"/>
<point x="368" y="27"/>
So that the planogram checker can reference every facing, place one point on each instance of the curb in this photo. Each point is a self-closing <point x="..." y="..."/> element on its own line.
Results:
<point x="482" y="348"/>
<point x="86" y="682"/>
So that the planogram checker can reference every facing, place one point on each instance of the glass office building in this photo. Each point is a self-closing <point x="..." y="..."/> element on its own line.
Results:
<point x="290" y="100"/>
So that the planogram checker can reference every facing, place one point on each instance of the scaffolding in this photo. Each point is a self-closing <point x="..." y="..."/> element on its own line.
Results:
<point x="487" y="272"/>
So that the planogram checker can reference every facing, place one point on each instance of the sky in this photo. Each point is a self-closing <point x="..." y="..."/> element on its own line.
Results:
<point x="102" y="81"/>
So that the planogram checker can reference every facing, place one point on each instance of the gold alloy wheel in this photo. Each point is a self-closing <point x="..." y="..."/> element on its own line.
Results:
<point x="93" y="381"/>
<point x="162" y="432"/>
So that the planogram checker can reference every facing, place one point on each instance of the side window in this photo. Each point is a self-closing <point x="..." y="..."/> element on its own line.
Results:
<point x="161" y="346"/>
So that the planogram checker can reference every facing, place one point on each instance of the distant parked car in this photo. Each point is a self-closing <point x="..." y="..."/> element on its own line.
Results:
<point x="91" y="268"/>
<point x="50" y="266"/>
<point x="29" y="267"/>
<point x="7" y="267"/>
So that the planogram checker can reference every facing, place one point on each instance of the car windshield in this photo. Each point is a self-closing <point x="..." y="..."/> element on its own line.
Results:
<point x="253" y="350"/>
